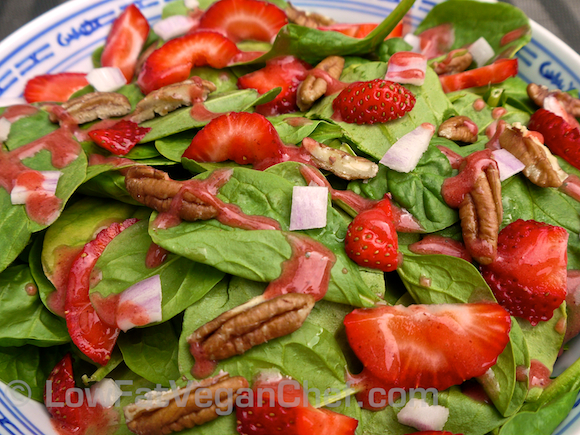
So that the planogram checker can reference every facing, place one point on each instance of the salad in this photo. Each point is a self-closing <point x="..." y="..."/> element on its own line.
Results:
<point x="321" y="227"/>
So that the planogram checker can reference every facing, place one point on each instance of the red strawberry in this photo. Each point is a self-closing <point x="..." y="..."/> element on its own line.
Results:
<point x="244" y="19"/>
<point x="120" y="138"/>
<point x="172" y="62"/>
<point x="362" y="30"/>
<point x="562" y="138"/>
<point x="243" y="137"/>
<point x="528" y="276"/>
<point x="375" y="101"/>
<point x="54" y="87"/>
<point x="371" y="239"/>
<point x="125" y="41"/>
<point x="428" y="346"/>
<point x="285" y="409"/>
<point x="286" y="72"/>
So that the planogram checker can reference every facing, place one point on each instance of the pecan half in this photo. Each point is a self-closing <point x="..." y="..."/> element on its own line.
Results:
<point x="339" y="162"/>
<point x="538" y="94"/>
<point x="92" y="106"/>
<point x="456" y="61"/>
<point x="542" y="168"/>
<point x="169" y="98"/>
<point x="183" y="408"/>
<point x="306" y="19"/>
<point x="312" y="88"/>
<point x="156" y="190"/>
<point x="459" y="128"/>
<point x="256" y="322"/>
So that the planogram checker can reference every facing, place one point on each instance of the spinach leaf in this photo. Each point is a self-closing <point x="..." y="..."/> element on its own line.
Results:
<point x="176" y="7"/>
<point x="123" y="263"/>
<point x="494" y="21"/>
<point x="24" y="318"/>
<point x="109" y="184"/>
<point x="152" y="353"/>
<point x="172" y="147"/>
<point x="14" y="230"/>
<point x="293" y="128"/>
<point x="224" y="79"/>
<point x="29" y="129"/>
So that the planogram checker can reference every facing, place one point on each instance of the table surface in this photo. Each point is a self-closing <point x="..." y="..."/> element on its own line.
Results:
<point x="562" y="17"/>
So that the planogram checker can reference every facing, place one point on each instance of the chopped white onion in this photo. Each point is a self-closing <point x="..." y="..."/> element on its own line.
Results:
<point x="191" y="4"/>
<point x="22" y="190"/>
<point x="4" y="129"/>
<point x="106" y="79"/>
<point x="481" y="51"/>
<point x="404" y="155"/>
<point x="173" y="26"/>
<point x="407" y="67"/>
<point x="143" y="300"/>
<point x="6" y="102"/>
<point x="419" y="414"/>
<point x="507" y="163"/>
<point x="414" y="41"/>
<point x="309" y="205"/>
<point x="106" y="392"/>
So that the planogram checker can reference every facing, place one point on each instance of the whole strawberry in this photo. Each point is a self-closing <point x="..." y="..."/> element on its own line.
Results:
<point x="371" y="239"/>
<point x="374" y="101"/>
<point x="528" y="276"/>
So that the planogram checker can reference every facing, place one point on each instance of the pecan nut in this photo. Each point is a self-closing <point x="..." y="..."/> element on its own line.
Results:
<point x="156" y="190"/>
<point x="338" y="162"/>
<point x="542" y="168"/>
<point x="254" y="323"/>
<point x="459" y="128"/>
<point x="92" y="106"/>
<point x="312" y="88"/>
<point x="456" y="61"/>
<point x="171" y="97"/>
<point x="183" y="408"/>
<point x="538" y="93"/>
<point x="306" y="19"/>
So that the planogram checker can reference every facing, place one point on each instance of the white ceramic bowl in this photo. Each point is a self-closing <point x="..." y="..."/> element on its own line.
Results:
<point x="64" y="39"/>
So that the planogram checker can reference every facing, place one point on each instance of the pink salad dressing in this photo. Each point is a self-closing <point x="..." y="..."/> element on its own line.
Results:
<point x="19" y="111"/>
<point x="156" y="256"/>
<point x="435" y="244"/>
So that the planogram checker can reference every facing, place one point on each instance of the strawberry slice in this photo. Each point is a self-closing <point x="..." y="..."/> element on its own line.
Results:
<point x="497" y="72"/>
<point x="371" y="238"/>
<point x="54" y="87"/>
<point x="243" y="137"/>
<point x="172" y="62"/>
<point x="120" y="138"/>
<point x="562" y="138"/>
<point x="286" y="72"/>
<point x="244" y="19"/>
<point x="373" y="101"/>
<point x="528" y="276"/>
<point x="428" y="346"/>
<point x="284" y="408"/>
<point x="125" y="41"/>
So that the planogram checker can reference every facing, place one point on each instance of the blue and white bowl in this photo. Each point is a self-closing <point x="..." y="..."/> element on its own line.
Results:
<point x="65" y="38"/>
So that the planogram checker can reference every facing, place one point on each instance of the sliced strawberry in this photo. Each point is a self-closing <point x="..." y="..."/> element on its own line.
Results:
<point x="562" y="138"/>
<point x="54" y="87"/>
<point x="371" y="239"/>
<point x="244" y="19"/>
<point x="172" y="62"/>
<point x="285" y="72"/>
<point x="284" y="408"/>
<point x="374" y="101"/>
<point x="428" y="346"/>
<point x="120" y="138"/>
<point x="497" y="72"/>
<point x="528" y="276"/>
<point x="243" y="137"/>
<point x="125" y="41"/>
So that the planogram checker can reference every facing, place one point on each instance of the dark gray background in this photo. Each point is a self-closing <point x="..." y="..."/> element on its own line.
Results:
<point x="562" y="17"/>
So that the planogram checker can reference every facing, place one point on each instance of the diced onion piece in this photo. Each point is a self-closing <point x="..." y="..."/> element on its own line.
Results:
<point x="481" y="51"/>
<point x="4" y="129"/>
<point x="7" y="102"/>
<point x="140" y="304"/>
<point x="106" y="392"/>
<point x="414" y="41"/>
<point x="106" y="79"/>
<point x="507" y="163"/>
<point x="419" y="414"/>
<point x="404" y="155"/>
<point x="29" y="182"/>
<point x="407" y="67"/>
<point x="309" y="205"/>
<point x="191" y="4"/>
<point x="171" y="27"/>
